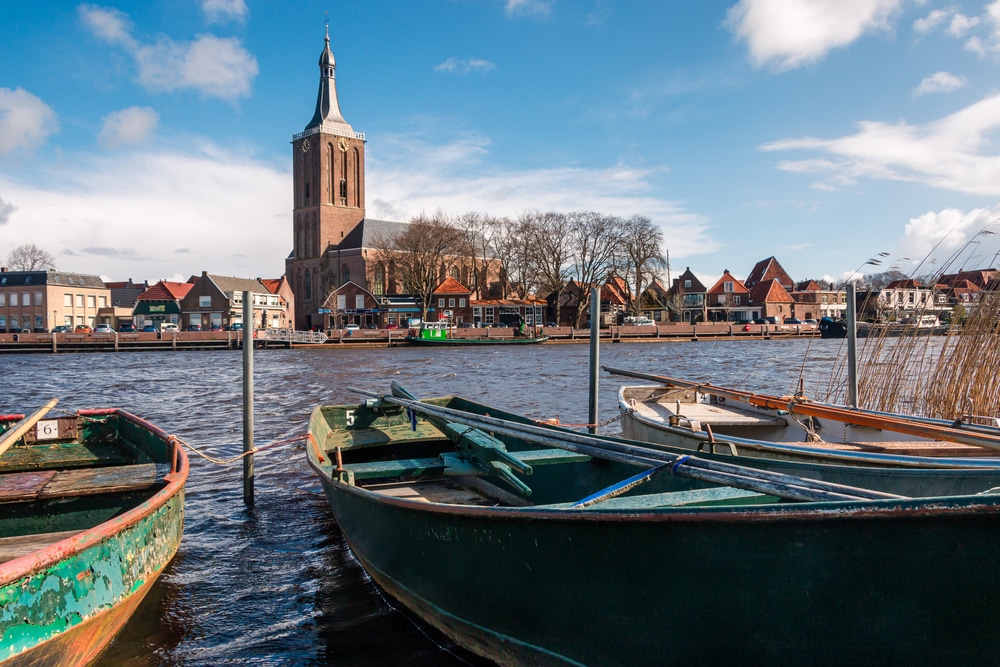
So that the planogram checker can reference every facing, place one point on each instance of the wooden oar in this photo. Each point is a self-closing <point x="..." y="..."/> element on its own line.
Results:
<point x="716" y="472"/>
<point x="20" y="428"/>
<point x="881" y="421"/>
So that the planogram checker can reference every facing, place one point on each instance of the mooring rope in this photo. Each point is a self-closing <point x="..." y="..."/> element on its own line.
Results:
<point x="255" y="450"/>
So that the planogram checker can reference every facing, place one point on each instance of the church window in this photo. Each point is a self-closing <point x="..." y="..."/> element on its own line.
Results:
<point x="378" y="279"/>
<point x="343" y="180"/>
<point x="345" y="274"/>
<point x="357" y="178"/>
<point x="332" y="171"/>
<point x="309" y="285"/>
<point x="343" y="191"/>
<point x="307" y="192"/>
<point x="454" y="272"/>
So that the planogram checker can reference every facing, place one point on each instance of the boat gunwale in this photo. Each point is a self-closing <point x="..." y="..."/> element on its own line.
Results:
<point x="970" y="462"/>
<point x="36" y="561"/>
<point x="912" y="508"/>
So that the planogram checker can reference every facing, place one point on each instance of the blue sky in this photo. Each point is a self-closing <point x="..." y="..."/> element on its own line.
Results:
<point x="150" y="139"/>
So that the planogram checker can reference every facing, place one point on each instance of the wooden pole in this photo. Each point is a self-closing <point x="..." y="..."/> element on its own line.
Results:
<point x="852" y="346"/>
<point x="19" y="429"/>
<point x="248" y="398"/>
<point x="595" y="355"/>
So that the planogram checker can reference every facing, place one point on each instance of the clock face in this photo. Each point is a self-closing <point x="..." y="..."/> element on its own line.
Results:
<point x="342" y="144"/>
<point x="305" y="145"/>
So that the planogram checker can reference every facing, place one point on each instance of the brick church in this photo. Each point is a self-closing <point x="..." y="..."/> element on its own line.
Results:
<point x="331" y="234"/>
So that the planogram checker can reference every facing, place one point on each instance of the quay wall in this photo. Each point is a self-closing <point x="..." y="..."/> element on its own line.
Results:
<point x="229" y="340"/>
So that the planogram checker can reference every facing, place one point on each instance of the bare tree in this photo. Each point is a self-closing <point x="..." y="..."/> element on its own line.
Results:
<point x="479" y="231"/>
<point x="641" y="256"/>
<point x="595" y="241"/>
<point x="29" y="257"/>
<point x="549" y="239"/>
<point x="516" y="253"/>
<point x="423" y="253"/>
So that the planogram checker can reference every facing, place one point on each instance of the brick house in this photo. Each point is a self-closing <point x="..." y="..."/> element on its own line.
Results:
<point x="160" y="303"/>
<point x="352" y="304"/>
<point x="217" y="301"/>
<point x="813" y="302"/>
<point x="689" y="298"/>
<point x="451" y="301"/>
<point x="729" y="300"/>
<point x="772" y="299"/>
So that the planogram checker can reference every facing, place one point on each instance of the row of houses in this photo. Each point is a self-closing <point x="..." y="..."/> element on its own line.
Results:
<point x="42" y="300"/>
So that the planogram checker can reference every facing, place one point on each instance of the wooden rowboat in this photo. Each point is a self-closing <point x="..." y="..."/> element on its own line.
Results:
<point x="535" y="546"/>
<point x="91" y="512"/>
<point x="438" y="334"/>
<point x="695" y="415"/>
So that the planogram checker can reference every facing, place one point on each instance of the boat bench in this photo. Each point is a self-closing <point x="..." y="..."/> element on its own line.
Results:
<point x="715" y="496"/>
<point x="47" y="484"/>
<point x="64" y="455"/>
<point x="411" y="467"/>
<point x="20" y="545"/>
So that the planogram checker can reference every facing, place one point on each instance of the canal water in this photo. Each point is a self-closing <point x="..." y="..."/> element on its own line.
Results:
<point x="276" y="584"/>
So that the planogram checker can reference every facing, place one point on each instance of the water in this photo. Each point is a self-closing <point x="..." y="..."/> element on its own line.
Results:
<point x="277" y="585"/>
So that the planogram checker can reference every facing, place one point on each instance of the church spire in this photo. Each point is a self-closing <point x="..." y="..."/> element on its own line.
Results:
<point x="328" y="116"/>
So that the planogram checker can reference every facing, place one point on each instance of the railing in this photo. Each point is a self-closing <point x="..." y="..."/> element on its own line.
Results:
<point x="329" y="129"/>
<point x="288" y="335"/>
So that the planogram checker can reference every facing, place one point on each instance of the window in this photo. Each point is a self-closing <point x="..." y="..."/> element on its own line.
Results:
<point x="441" y="302"/>
<point x="3" y="322"/>
<point x="687" y="284"/>
<point x="461" y="303"/>
<point x="91" y="301"/>
<point x="204" y="301"/>
<point x="13" y="298"/>
<point x="102" y="301"/>
<point x="345" y="275"/>
<point x="25" y="299"/>
<point x="38" y="322"/>
<point x="79" y="301"/>
<point x="489" y="316"/>
<point x="451" y="303"/>
<point x="341" y="302"/>
<point x="14" y="323"/>
<point x="727" y="286"/>
<point x="39" y="298"/>
<point x="477" y="313"/>
<point x="3" y="300"/>
<point x="359" y="301"/>
<point x="736" y="299"/>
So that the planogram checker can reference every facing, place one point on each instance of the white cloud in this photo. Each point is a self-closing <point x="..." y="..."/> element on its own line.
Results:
<point x="215" y="66"/>
<point x="108" y="24"/>
<point x="939" y="82"/>
<point x="128" y="127"/>
<point x="465" y="66"/>
<point x="528" y="7"/>
<point x="407" y="175"/>
<point x="933" y="20"/>
<point x="791" y="33"/>
<point x="25" y="120"/>
<point x="947" y="153"/>
<point x="961" y="24"/>
<point x="157" y="214"/>
<point x="949" y="237"/>
<point x="222" y="11"/>
<point x="6" y="211"/>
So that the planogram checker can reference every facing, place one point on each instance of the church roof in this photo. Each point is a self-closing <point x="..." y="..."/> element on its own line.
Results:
<point x="327" y="116"/>
<point x="370" y="233"/>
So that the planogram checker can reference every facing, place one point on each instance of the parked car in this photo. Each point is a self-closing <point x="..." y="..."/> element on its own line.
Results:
<point x="126" y="327"/>
<point x="812" y="322"/>
<point x="792" y="320"/>
<point x="149" y="328"/>
<point x="216" y="327"/>
<point x="103" y="328"/>
<point x="194" y="327"/>
<point x="237" y="326"/>
<point x="167" y="327"/>
<point x="352" y="327"/>
<point x="62" y="328"/>
<point x="83" y="328"/>
<point x="766" y="320"/>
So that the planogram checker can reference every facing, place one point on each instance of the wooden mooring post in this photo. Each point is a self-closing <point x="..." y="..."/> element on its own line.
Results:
<point x="247" y="332"/>
<point x="595" y="354"/>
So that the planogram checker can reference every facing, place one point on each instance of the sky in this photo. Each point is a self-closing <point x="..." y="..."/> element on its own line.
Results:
<point x="151" y="140"/>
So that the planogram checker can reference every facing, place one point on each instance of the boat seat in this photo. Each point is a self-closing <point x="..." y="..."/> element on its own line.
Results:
<point x="412" y="467"/>
<point x="47" y="484"/>
<point x="46" y="456"/>
<point x="714" y="496"/>
<point x="20" y="545"/>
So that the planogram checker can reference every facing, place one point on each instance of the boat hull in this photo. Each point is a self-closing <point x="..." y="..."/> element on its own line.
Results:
<point x="63" y="604"/>
<point x="443" y="342"/>
<point x="697" y="586"/>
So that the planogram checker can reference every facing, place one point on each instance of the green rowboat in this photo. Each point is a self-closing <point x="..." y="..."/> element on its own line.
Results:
<point x="436" y="334"/>
<point x="537" y="546"/>
<point x="91" y="512"/>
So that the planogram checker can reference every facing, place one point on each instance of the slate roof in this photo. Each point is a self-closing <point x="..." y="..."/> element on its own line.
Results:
<point x="26" y="278"/>
<point x="233" y="284"/>
<point x="369" y="233"/>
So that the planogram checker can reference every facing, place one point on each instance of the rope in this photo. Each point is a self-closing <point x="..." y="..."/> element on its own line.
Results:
<point x="255" y="450"/>
<point x="556" y="422"/>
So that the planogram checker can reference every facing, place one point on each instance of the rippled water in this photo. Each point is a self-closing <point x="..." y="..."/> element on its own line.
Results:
<point x="276" y="584"/>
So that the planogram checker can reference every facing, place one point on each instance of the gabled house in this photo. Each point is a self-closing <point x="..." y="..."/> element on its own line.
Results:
<point x="452" y="301"/>
<point x="217" y="302"/>
<point x="772" y="300"/>
<point x="813" y="301"/>
<point x="905" y="298"/>
<point x="283" y="288"/>
<point x="688" y="298"/>
<point x="769" y="269"/>
<point x="160" y="303"/>
<point x="37" y="301"/>
<point x="654" y="300"/>
<point x="729" y="300"/>
<point x="351" y="304"/>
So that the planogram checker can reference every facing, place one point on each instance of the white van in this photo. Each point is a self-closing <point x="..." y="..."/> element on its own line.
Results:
<point x="166" y="327"/>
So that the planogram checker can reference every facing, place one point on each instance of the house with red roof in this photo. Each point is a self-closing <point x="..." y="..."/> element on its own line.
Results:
<point x="283" y="288"/>
<point x="689" y="298"/>
<point x="160" y="303"/>
<point x="216" y="301"/>
<point x="351" y="304"/>
<point x="451" y="301"/>
<point x="769" y="269"/>
<point x="772" y="300"/>
<point x="814" y="302"/>
<point x="729" y="300"/>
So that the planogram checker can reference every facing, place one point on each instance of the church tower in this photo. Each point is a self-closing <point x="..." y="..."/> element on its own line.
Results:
<point x="328" y="171"/>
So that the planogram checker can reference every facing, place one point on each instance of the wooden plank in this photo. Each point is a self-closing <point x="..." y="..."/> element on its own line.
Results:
<point x="21" y="545"/>
<point x="712" y="496"/>
<point x="28" y="486"/>
<point x="435" y="466"/>
<point x="45" y="456"/>
<point x="10" y="436"/>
